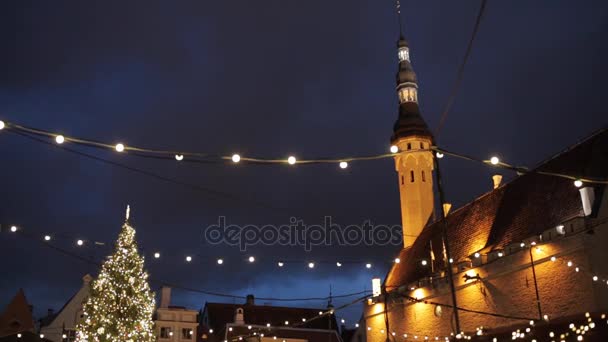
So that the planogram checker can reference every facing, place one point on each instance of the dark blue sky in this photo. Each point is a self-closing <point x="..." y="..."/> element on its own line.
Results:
<point x="313" y="78"/>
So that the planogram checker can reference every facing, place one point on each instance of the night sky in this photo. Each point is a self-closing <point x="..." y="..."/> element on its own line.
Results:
<point x="266" y="78"/>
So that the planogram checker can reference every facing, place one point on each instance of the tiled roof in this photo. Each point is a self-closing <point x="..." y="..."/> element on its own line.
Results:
<point x="17" y="317"/>
<point x="527" y="206"/>
<point x="219" y="314"/>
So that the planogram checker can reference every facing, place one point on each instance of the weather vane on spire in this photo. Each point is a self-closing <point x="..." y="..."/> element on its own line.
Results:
<point x="398" y="4"/>
<point x="128" y="213"/>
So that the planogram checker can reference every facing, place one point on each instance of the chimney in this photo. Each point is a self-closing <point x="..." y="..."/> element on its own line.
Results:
<point x="165" y="297"/>
<point x="588" y="198"/>
<point x="497" y="179"/>
<point x="250" y="300"/>
<point x="86" y="280"/>
<point x="446" y="208"/>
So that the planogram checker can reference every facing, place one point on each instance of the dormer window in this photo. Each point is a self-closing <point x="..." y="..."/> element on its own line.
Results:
<point x="403" y="54"/>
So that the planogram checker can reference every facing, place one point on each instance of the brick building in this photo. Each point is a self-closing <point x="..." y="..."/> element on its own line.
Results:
<point x="528" y="258"/>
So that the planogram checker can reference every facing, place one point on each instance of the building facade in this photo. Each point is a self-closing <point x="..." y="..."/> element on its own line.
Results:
<point x="61" y="326"/>
<point x="527" y="257"/>
<point x="174" y="323"/>
<point x="264" y="323"/>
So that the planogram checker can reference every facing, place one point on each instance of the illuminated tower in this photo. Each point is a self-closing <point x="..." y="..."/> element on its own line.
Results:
<point x="414" y="162"/>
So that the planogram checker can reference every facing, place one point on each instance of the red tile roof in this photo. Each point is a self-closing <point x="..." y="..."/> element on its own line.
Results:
<point x="217" y="315"/>
<point x="527" y="206"/>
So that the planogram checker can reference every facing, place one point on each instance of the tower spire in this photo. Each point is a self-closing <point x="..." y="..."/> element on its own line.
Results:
<point x="399" y="21"/>
<point x="411" y="136"/>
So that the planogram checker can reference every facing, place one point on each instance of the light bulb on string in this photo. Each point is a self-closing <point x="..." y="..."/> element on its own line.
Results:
<point x="156" y="255"/>
<point x="188" y="258"/>
<point x="251" y="259"/>
<point x="59" y="139"/>
<point x="80" y="242"/>
<point x="119" y="147"/>
<point x="343" y="165"/>
<point x="494" y="160"/>
<point x="339" y="264"/>
<point x="47" y="238"/>
<point x="368" y="265"/>
<point x="311" y="265"/>
<point x="397" y="260"/>
<point x="179" y="157"/>
<point x="291" y="160"/>
<point x="394" y="149"/>
<point x="13" y="229"/>
<point x="578" y="183"/>
<point x="280" y="263"/>
<point x="220" y="261"/>
<point x="439" y="155"/>
<point x="236" y="158"/>
<point x="2" y="125"/>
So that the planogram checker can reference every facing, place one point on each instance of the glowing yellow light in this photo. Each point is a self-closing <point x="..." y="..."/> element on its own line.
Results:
<point x="47" y="238"/>
<point x="210" y="331"/>
<point x="424" y="262"/>
<point x="368" y="265"/>
<point x="311" y="265"/>
<point x="268" y="325"/>
<point x="343" y="165"/>
<point x="59" y="139"/>
<point x="531" y="322"/>
<point x="2" y="125"/>
<point x="522" y="245"/>
<point x="539" y="250"/>
<point x="553" y="258"/>
<point x="251" y="259"/>
<point x="356" y="325"/>
<point x="339" y="264"/>
<point x="280" y="264"/>
<point x="220" y="261"/>
<point x="64" y="336"/>
<point x="439" y="155"/>
<point x="156" y="255"/>
<point x="236" y="158"/>
<point x="595" y="278"/>
<point x="376" y="287"/>
<point x="494" y="160"/>
<point x="13" y="229"/>
<point x="546" y="317"/>
<point x="79" y="242"/>
<point x="579" y="338"/>
<point x="188" y="258"/>
<point x="41" y="335"/>
<point x="500" y="254"/>
<point x="578" y="183"/>
<point x="286" y="322"/>
<point x="394" y="149"/>
<point x="291" y="160"/>
<point x="477" y="255"/>
<point x="397" y="260"/>
<point x="249" y="327"/>
<point x="119" y="147"/>
<point x="179" y="157"/>
<point x="451" y="260"/>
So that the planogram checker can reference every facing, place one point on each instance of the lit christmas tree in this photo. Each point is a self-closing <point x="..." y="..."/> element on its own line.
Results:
<point x="120" y="304"/>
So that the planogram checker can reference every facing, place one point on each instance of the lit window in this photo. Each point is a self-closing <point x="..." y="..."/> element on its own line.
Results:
<point x="187" y="334"/>
<point x="165" y="332"/>
<point x="412" y="176"/>
<point x="408" y="94"/>
<point x="404" y="54"/>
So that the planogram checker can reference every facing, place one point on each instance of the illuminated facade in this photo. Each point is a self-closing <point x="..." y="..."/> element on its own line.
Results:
<point x="528" y="256"/>
<point x="414" y="160"/>
<point x="174" y="323"/>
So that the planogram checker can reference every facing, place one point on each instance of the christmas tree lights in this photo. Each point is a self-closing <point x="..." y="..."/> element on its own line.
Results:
<point x="120" y="304"/>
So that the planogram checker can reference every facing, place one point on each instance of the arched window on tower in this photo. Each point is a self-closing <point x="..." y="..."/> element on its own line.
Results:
<point x="412" y="176"/>
<point x="423" y="176"/>
<point x="409" y="146"/>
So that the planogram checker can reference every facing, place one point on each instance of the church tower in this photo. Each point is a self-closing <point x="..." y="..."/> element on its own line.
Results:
<point x="411" y="141"/>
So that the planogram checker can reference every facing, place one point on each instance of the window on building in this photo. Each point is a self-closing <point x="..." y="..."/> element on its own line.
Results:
<point x="422" y="145"/>
<point x="70" y="335"/>
<point x="409" y="146"/>
<point x="412" y="176"/>
<point x="187" y="334"/>
<point x="402" y="182"/>
<point x="404" y="54"/>
<point x="423" y="176"/>
<point x="165" y="332"/>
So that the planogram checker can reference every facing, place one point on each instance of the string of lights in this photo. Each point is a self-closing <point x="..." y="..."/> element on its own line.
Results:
<point x="190" y="258"/>
<point x="46" y="241"/>
<point x="198" y="157"/>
